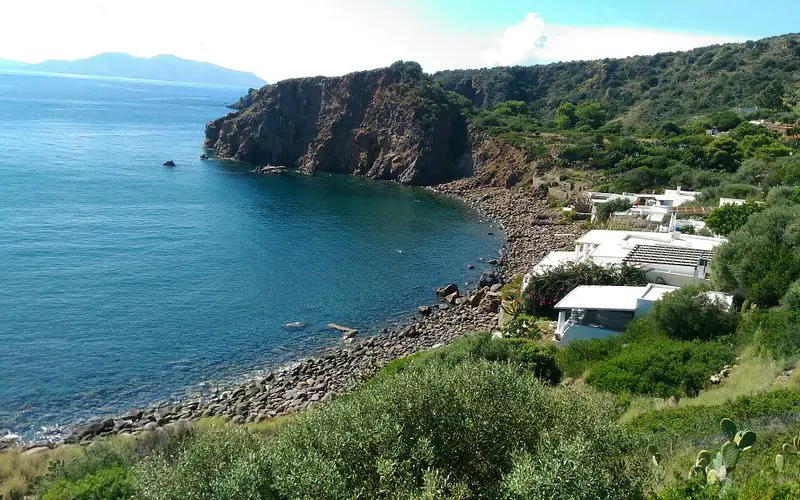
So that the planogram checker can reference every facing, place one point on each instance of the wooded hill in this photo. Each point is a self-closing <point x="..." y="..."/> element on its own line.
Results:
<point x="642" y="89"/>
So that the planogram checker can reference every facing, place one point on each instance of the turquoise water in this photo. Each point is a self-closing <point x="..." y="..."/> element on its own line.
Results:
<point x="123" y="282"/>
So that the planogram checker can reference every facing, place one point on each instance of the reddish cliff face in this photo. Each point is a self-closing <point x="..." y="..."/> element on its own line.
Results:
<point x="394" y="123"/>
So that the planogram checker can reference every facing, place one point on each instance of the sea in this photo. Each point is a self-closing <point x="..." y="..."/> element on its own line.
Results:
<point x="124" y="283"/>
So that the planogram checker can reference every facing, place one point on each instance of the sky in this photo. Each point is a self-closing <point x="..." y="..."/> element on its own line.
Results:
<point x="295" y="38"/>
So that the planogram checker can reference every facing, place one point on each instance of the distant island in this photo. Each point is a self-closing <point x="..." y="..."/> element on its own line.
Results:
<point x="162" y="67"/>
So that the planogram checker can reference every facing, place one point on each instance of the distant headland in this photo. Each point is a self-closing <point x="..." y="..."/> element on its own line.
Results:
<point x="162" y="67"/>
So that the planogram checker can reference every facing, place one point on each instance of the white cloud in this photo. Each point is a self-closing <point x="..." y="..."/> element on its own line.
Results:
<point x="533" y="41"/>
<point x="519" y="44"/>
<point x="278" y="39"/>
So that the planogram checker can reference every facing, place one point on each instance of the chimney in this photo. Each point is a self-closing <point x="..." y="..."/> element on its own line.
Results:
<point x="679" y="189"/>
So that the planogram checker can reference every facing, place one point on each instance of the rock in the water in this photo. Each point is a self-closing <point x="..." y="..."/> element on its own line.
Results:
<point x="447" y="290"/>
<point x="204" y="156"/>
<point x="271" y="170"/>
<point x="296" y="325"/>
<point x="425" y="310"/>
<point x="347" y="331"/>
<point x="169" y="163"/>
<point x="489" y="279"/>
<point x="470" y="266"/>
<point x="451" y="299"/>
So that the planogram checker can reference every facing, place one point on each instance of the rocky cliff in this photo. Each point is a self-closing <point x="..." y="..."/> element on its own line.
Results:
<point x="394" y="123"/>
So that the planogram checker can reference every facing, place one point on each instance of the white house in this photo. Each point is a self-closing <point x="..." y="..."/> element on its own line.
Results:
<point x="602" y="311"/>
<point x="652" y="206"/>
<point x="669" y="258"/>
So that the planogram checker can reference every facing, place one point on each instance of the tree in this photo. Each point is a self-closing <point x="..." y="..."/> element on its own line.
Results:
<point x="690" y="313"/>
<point x="728" y="218"/>
<point x="772" y="96"/>
<point x="591" y="114"/>
<point x="724" y="120"/>
<point x="607" y="209"/>
<point x="513" y="108"/>
<point x="565" y="116"/>
<point x="723" y="153"/>
<point x="762" y="258"/>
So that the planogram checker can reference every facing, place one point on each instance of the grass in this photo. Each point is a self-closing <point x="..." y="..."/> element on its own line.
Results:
<point x="18" y="471"/>
<point x="752" y="375"/>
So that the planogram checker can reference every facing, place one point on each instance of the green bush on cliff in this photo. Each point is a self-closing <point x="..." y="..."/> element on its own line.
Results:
<point x="661" y="368"/>
<point x="523" y="354"/>
<point x="112" y="483"/>
<point x="471" y="430"/>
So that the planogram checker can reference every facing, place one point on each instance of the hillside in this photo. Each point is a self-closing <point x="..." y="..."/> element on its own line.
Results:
<point x="393" y="123"/>
<point x="645" y="88"/>
<point x="161" y="67"/>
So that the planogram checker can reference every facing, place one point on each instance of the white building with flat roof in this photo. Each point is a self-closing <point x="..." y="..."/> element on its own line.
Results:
<point x="591" y="311"/>
<point x="672" y="258"/>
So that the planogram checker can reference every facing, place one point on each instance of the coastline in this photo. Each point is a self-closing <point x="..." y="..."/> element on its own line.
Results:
<point x="531" y="229"/>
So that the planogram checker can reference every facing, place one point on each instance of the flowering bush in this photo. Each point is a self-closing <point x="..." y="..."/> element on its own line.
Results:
<point x="547" y="289"/>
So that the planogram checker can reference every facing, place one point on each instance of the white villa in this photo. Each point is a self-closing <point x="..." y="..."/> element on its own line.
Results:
<point x="602" y="311"/>
<point x="651" y="206"/>
<point x="673" y="258"/>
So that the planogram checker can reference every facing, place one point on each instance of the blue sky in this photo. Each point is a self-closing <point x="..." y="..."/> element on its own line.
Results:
<point x="279" y="39"/>
<point x="736" y="17"/>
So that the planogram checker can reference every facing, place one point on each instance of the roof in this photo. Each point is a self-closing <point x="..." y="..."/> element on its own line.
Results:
<point x="666" y="254"/>
<point x="632" y="238"/>
<point x="554" y="259"/>
<point x="608" y="298"/>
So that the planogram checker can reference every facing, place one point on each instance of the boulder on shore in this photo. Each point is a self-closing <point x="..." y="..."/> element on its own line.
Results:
<point x="447" y="290"/>
<point x="425" y="310"/>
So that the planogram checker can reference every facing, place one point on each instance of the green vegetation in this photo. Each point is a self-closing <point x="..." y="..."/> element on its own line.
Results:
<point x="607" y="209"/>
<point x="690" y="313"/>
<point x="762" y="258"/>
<point x="435" y="431"/>
<point x="661" y="368"/>
<point x="525" y="354"/>
<point x="649" y="89"/>
<point x="549" y="287"/>
<point x="726" y="219"/>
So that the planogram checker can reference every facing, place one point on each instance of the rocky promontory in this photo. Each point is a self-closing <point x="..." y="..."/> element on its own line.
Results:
<point x="394" y="123"/>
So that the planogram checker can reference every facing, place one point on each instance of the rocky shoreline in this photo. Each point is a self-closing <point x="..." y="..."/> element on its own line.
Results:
<point x="531" y="229"/>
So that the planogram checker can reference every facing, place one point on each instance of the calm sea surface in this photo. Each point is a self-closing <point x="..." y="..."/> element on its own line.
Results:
<point x="123" y="282"/>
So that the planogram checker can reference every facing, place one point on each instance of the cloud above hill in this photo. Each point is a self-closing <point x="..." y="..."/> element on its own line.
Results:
<point x="534" y="41"/>
<point x="277" y="39"/>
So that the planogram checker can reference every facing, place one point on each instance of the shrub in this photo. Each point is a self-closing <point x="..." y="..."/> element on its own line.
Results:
<point x="112" y="483"/>
<point x="222" y="462"/>
<point x="607" y="209"/>
<point x="522" y="353"/>
<point x="729" y="218"/>
<point x="763" y="258"/>
<point x="578" y="356"/>
<point x="661" y="368"/>
<point x="775" y="332"/>
<point x="791" y="300"/>
<point x="437" y="431"/>
<point x="691" y="422"/>
<point x="690" y="313"/>
<point x="549" y="287"/>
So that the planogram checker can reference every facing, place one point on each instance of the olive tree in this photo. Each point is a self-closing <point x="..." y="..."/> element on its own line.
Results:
<point x="762" y="258"/>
